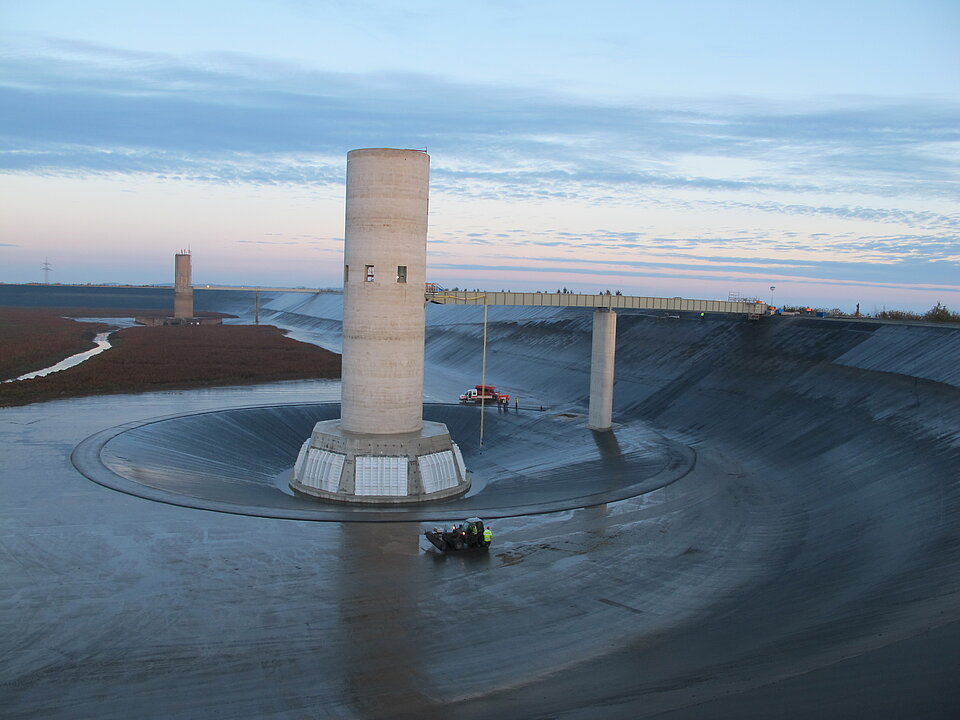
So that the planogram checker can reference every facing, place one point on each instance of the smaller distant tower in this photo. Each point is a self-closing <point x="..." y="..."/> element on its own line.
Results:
<point x="46" y="267"/>
<point x="183" y="287"/>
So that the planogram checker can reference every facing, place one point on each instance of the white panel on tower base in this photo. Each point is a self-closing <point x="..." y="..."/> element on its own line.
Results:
<point x="301" y="458"/>
<point x="381" y="475"/>
<point x="459" y="458"/>
<point x="319" y="469"/>
<point x="437" y="470"/>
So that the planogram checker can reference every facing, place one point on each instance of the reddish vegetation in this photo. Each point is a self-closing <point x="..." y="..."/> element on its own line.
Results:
<point x="177" y="356"/>
<point x="33" y="338"/>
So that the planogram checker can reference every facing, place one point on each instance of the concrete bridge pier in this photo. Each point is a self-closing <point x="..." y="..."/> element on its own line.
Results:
<point x="601" y="369"/>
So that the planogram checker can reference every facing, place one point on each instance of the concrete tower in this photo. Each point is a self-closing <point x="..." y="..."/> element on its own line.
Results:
<point x="381" y="450"/>
<point x="384" y="276"/>
<point x="183" y="286"/>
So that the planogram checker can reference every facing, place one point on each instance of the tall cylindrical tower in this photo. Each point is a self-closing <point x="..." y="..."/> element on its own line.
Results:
<point x="183" y="286"/>
<point x="385" y="257"/>
<point x="381" y="450"/>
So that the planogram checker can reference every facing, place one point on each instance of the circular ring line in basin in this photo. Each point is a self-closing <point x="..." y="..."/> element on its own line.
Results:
<point x="235" y="461"/>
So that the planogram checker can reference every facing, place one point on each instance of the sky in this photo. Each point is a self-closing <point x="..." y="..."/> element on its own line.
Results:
<point x="689" y="148"/>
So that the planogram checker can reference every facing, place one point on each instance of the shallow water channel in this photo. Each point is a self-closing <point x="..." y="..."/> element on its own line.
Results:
<point x="101" y="339"/>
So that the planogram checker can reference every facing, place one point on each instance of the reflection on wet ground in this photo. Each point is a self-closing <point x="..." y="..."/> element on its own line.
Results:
<point x="383" y="588"/>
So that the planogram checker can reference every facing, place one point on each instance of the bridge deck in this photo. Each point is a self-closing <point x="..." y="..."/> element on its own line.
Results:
<point x="612" y="302"/>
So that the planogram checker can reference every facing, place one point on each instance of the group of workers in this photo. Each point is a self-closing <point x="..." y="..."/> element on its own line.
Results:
<point x="471" y="533"/>
<point x="473" y="530"/>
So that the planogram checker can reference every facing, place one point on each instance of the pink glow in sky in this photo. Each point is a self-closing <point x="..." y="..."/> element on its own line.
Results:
<point x="622" y="147"/>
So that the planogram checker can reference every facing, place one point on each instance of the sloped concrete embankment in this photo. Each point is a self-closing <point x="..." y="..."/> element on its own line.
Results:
<point x="854" y="427"/>
<point x="763" y="385"/>
<point x="839" y="406"/>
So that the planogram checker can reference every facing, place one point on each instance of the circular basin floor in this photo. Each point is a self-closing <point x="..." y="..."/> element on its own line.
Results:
<point x="238" y="461"/>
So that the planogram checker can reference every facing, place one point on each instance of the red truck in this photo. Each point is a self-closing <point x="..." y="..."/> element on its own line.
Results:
<point x="484" y="394"/>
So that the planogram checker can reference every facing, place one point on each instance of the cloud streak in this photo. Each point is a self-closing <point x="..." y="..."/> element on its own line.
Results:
<point x="90" y="110"/>
<point x="848" y="190"/>
<point x="636" y="275"/>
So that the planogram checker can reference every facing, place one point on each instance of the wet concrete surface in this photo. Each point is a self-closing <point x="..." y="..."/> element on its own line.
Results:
<point x="808" y="565"/>
<point x="239" y="460"/>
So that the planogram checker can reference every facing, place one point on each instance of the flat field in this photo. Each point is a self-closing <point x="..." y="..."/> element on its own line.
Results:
<point x="35" y="338"/>
<point x="147" y="358"/>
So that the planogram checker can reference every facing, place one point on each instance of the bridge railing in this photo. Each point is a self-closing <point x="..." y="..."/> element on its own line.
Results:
<point x="611" y="302"/>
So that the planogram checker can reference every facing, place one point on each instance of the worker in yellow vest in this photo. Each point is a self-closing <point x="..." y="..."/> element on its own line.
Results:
<point x="487" y="535"/>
